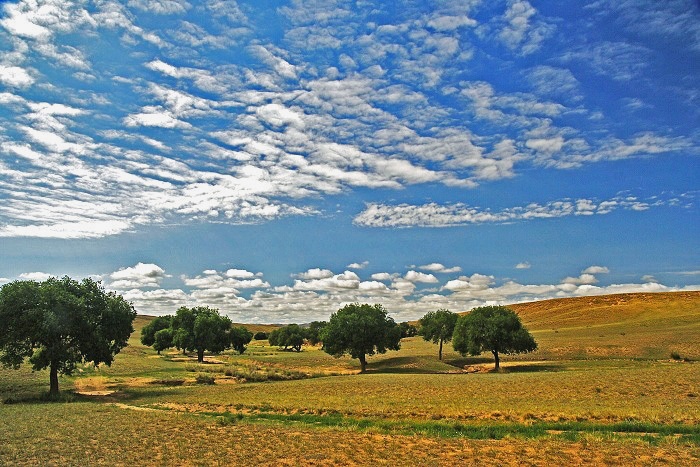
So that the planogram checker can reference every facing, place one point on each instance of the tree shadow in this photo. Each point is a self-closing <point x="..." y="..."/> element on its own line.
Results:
<point x="506" y="367"/>
<point x="532" y="367"/>
<point x="467" y="361"/>
<point x="409" y="365"/>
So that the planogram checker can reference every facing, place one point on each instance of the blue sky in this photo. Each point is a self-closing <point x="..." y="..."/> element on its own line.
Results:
<point x="279" y="159"/>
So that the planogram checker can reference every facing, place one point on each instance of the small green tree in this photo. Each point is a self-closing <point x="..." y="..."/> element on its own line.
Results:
<point x="360" y="330"/>
<point x="59" y="323"/>
<point x="408" y="330"/>
<point x="260" y="336"/>
<point x="200" y="329"/>
<point x="290" y="336"/>
<point x="163" y="339"/>
<point x="313" y="332"/>
<point x="148" y="332"/>
<point x="239" y="338"/>
<point x="438" y="326"/>
<point x="492" y="328"/>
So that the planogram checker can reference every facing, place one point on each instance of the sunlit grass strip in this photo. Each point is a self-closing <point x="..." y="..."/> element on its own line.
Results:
<point x="571" y="431"/>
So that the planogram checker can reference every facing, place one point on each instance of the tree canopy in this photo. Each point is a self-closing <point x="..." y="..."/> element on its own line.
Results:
<point x="438" y="326"/>
<point x="59" y="323"/>
<point x="360" y="330"/>
<point x="197" y="329"/>
<point x="149" y="331"/>
<point x="290" y="336"/>
<point x="239" y="338"/>
<point x="313" y="332"/>
<point x="497" y="329"/>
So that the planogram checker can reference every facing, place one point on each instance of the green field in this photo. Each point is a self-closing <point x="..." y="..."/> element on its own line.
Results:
<point x="602" y="389"/>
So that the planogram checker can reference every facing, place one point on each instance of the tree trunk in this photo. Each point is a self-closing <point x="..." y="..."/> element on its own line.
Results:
<point x="440" y="351"/>
<point x="200" y="355"/>
<point x="363" y="364"/>
<point x="53" y="377"/>
<point x="498" y="362"/>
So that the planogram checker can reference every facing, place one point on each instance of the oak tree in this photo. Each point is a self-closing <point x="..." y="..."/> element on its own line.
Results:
<point x="60" y="323"/>
<point x="438" y="326"/>
<point x="360" y="330"/>
<point x="496" y="329"/>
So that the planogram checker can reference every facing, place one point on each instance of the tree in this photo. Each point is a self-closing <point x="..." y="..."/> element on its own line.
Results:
<point x="360" y="330"/>
<point x="59" y="323"/>
<point x="201" y="328"/>
<point x="239" y="338"/>
<point x="438" y="326"/>
<point x="163" y="339"/>
<point x="408" y="330"/>
<point x="492" y="328"/>
<point x="288" y="336"/>
<point x="313" y="332"/>
<point x="148" y="332"/>
<point x="260" y="336"/>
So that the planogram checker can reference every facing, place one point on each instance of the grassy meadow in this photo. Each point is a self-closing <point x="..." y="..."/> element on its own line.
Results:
<point x="603" y="388"/>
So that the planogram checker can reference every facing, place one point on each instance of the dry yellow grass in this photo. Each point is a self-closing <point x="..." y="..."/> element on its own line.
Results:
<point x="98" y="434"/>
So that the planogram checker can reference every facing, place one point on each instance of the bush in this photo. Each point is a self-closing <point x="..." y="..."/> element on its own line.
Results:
<point x="675" y="355"/>
<point x="204" y="379"/>
<point x="260" y="336"/>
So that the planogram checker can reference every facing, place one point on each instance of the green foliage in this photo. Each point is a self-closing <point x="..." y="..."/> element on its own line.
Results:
<point x="201" y="328"/>
<point x="438" y="326"/>
<point x="408" y="330"/>
<point x="288" y="337"/>
<point x="492" y="328"/>
<point x="360" y="330"/>
<point x="59" y="323"/>
<point x="163" y="339"/>
<point x="239" y="338"/>
<point x="313" y="332"/>
<point x="260" y="336"/>
<point x="204" y="379"/>
<point x="148" y="332"/>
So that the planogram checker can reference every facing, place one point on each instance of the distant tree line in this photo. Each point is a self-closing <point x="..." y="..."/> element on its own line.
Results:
<point x="358" y="330"/>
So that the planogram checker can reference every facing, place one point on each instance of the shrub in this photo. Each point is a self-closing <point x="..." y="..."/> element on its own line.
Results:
<point x="204" y="379"/>
<point x="260" y="336"/>
<point x="675" y="355"/>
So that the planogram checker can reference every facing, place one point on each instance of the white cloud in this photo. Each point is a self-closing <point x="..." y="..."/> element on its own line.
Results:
<point x="361" y="265"/>
<point x="155" y="119"/>
<point x="439" y="268"/>
<point x="475" y="282"/>
<point x="315" y="273"/>
<point x="596" y="270"/>
<point x="346" y="281"/>
<point x="136" y="277"/>
<point x="435" y="215"/>
<point x="22" y="21"/>
<point x="415" y="276"/>
<point x="383" y="276"/>
<point x="523" y="265"/>
<point x="240" y="274"/>
<point x="67" y="230"/>
<point x="620" y="61"/>
<point x="15" y="77"/>
<point x="35" y="276"/>
<point x="523" y="32"/>
<point x="162" y="7"/>
<point x="583" y="279"/>
<point x="450" y="23"/>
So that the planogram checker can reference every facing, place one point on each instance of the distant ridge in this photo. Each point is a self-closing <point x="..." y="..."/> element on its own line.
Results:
<point x="600" y="309"/>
